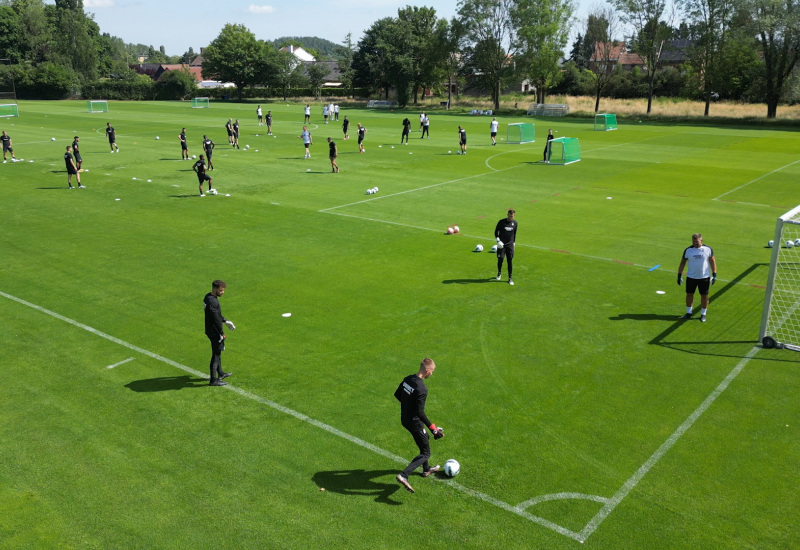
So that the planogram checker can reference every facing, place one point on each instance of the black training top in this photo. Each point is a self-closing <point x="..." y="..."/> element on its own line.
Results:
<point x="200" y="167"/>
<point x="6" y="139"/>
<point x="406" y="125"/>
<point x="75" y="147"/>
<point x="506" y="230"/>
<point x="412" y="393"/>
<point x="68" y="161"/>
<point x="214" y="318"/>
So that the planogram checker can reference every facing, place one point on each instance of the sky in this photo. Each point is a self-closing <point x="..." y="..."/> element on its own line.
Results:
<point x="179" y="24"/>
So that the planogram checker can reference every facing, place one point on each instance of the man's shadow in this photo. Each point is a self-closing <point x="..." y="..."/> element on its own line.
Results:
<point x="359" y="482"/>
<point x="166" y="383"/>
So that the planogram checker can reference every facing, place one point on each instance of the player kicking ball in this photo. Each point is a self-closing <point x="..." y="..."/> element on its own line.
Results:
<point x="200" y="169"/>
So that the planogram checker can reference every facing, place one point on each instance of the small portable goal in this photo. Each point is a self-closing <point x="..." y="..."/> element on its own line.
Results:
<point x="605" y="122"/>
<point x="199" y="103"/>
<point x="521" y="132"/>
<point x="563" y="150"/>
<point x="97" y="106"/>
<point x="9" y="110"/>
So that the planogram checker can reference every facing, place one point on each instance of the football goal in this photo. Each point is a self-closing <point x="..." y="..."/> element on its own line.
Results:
<point x="199" y="103"/>
<point x="521" y="132"/>
<point x="780" y="320"/>
<point x="605" y="122"/>
<point x="9" y="110"/>
<point x="563" y="150"/>
<point x="97" y="106"/>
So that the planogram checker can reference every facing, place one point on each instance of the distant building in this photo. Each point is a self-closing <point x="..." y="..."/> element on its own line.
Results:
<point x="673" y="54"/>
<point x="299" y="53"/>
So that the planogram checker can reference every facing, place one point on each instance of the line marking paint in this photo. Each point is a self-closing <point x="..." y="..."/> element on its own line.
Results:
<point x="128" y="360"/>
<point x="755" y="180"/>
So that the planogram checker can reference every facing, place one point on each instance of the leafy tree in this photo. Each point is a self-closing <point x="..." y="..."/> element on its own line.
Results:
<point x="344" y="59"/>
<point x="650" y="34"/>
<point x="233" y="56"/>
<point x="9" y="34"/>
<point x="490" y="42"/>
<point x="577" y="54"/>
<point x="285" y="73"/>
<point x="419" y="24"/>
<point x="74" y="45"/>
<point x="542" y="30"/>
<point x="371" y="64"/>
<point x="776" y="24"/>
<point x="177" y="84"/>
<point x="35" y="32"/>
<point x="188" y="57"/>
<point x="446" y="53"/>
<point x="316" y="73"/>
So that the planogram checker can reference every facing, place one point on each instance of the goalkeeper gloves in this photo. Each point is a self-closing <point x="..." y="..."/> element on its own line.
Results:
<point x="713" y="278"/>
<point x="438" y="433"/>
<point x="680" y="279"/>
<point x="230" y="325"/>
<point x="499" y="243"/>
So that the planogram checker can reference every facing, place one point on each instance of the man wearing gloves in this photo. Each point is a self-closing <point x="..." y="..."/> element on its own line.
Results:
<point x="215" y="333"/>
<point x="506" y="233"/>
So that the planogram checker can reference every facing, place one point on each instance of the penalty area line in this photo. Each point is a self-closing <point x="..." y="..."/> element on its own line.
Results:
<point x="128" y="360"/>
<point x="298" y="415"/>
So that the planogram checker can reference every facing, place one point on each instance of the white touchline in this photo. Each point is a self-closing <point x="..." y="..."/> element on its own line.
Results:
<point x="666" y="446"/>
<point x="755" y="180"/>
<point x="128" y="360"/>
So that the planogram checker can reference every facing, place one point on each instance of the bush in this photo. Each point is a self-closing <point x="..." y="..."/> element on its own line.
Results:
<point x="141" y="87"/>
<point x="46" y="81"/>
<point x="175" y="85"/>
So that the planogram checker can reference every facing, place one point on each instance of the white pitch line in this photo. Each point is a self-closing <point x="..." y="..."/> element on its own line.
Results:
<point x="626" y="488"/>
<point x="300" y="416"/>
<point x="755" y="180"/>
<point x="128" y="360"/>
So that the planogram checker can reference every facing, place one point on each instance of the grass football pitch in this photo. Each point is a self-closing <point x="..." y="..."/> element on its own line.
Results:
<point x="580" y="408"/>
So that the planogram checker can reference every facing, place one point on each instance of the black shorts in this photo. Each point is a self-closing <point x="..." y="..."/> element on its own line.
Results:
<point x="6" y="148"/>
<point x="184" y="147"/>
<point x="506" y="252"/>
<point x="360" y="140"/>
<point x="72" y="171"/>
<point x="463" y="142"/>
<point x="306" y="145"/>
<point x="230" y="133"/>
<point x="77" y="157"/>
<point x="698" y="284"/>
<point x="208" y="154"/>
<point x="203" y="177"/>
<point x="112" y="140"/>
<point x="494" y="134"/>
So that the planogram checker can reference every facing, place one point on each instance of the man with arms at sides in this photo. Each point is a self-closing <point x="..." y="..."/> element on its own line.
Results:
<point x="269" y="123"/>
<point x="260" y="115"/>
<point x="307" y="142"/>
<point x="406" y="130"/>
<point x="208" y="147"/>
<point x="184" y="145"/>
<point x="547" y="148"/>
<point x="72" y="170"/>
<point x="215" y="333"/>
<point x="493" y="129"/>
<point x="346" y="127"/>
<point x="229" y="129"/>
<point x="412" y="394"/>
<point x="332" y="155"/>
<point x="76" y="151"/>
<point x="236" y="134"/>
<point x="462" y="140"/>
<point x="200" y="169"/>
<point x="362" y="132"/>
<point x="307" y="117"/>
<point x="6" y="139"/>
<point x="701" y="275"/>
<point x="506" y="234"/>
<point x="426" y="127"/>
<point x="111" y="134"/>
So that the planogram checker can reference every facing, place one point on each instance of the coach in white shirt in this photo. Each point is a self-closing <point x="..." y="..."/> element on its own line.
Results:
<point x="702" y="273"/>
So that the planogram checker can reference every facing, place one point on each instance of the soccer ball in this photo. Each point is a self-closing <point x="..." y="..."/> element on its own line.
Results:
<point x="212" y="191"/>
<point x="797" y="242"/>
<point x="452" y="467"/>
<point x="52" y="139"/>
<point x="456" y="229"/>
<point x="194" y="156"/>
<point x="771" y="244"/>
<point x="369" y="191"/>
<point x="158" y="137"/>
<point x="450" y="231"/>
<point x="479" y="248"/>
<point x="376" y="190"/>
<point x="494" y="248"/>
<point x="789" y="244"/>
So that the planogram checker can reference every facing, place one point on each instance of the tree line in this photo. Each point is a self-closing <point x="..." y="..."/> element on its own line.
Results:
<point x="745" y="50"/>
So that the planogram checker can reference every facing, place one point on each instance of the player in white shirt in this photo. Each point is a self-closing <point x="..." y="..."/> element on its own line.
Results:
<point x="307" y="118"/>
<point x="325" y="113"/>
<point x="702" y="273"/>
<point x="493" y="128"/>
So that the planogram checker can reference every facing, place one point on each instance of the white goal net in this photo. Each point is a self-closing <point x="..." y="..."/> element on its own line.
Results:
<point x="199" y="103"/>
<point x="9" y="110"/>
<point x="97" y="106"/>
<point x="780" y="320"/>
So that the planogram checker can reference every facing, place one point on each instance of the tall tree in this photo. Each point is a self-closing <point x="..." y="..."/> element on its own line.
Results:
<point x="446" y="53"/>
<point x="602" y="28"/>
<point x="420" y="24"/>
<point x="490" y="42"/>
<point x="543" y="31"/>
<point x="371" y="63"/>
<point x="74" y="44"/>
<point x="777" y="26"/>
<point x="233" y="56"/>
<point x="650" y="34"/>
<point x="344" y="59"/>
<point x="285" y="71"/>
<point x="709" y="22"/>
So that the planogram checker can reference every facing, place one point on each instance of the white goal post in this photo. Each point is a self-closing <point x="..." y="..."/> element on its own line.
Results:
<point x="199" y="103"/>
<point x="521" y="132"/>
<point x="97" y="106"/>
<point x="9" y="110"/>
<point x="780" y="319"/>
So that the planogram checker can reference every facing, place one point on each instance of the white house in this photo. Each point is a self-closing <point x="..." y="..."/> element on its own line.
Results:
<point x="298" y="52"/>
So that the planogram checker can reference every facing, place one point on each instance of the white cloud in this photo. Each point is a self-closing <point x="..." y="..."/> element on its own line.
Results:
<point x="259" y="9"/>
<point x="98" y="4"/>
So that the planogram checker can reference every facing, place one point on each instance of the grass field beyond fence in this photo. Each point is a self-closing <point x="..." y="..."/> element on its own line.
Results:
<point x="578" y="405"/>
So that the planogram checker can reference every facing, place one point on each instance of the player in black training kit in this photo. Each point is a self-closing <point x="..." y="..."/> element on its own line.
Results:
<point x="406" y="130"/>
<point x="111" y="134"/>
<point x="269" y="123"/>
<point x="506" y="233"/>
<point x="362" y="132"/>
<point x="77" y="153"/>
<point x="184" y="145"/>
<point x="208" y="147"/>
<point x="200" y="169"/>
<point x="346" y="127"/>
<point x="412" y="394"/>
<point x="6" y="139"/>
<point x="229" y="129"/>
<point x="214" y="320"/>
<point x="236" y="134"/>
<point x="72" y="170"/>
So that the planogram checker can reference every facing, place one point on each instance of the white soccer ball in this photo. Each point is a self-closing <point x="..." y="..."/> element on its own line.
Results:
<point x="369" y="191"/>
<point x="212" y="191"/>
<point x="158" y="137"/>
<point x="771" y="244"/>
<point x="194" y="156"/>
<point x="247" y="147"/>
<point x="797" y="242"/>
<point x="494" y="248"/>
<point x="376" y="190"/>
<point x="479" y="248"/>
<point x="52" y="139"/>
<point x="789" y="244"/>
<point x="452" y="467"/>
<point x="456" y="229"/>
<point x="450" y="231"/>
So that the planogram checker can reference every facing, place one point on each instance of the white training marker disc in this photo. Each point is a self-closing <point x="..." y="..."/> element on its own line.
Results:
<point x="149" y="181"/>
<point x="609" y="198"/>
<point x="116" y="199"/>
<point x="286" y="315"/>
<point x="227" y="194"/>
<point x="660" y="292"/>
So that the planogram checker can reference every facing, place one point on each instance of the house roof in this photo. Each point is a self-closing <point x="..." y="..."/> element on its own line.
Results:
<point x="196" y="72"/>
<point x="298" y="52"/>
<point x="630" y="59"/>
<point x="604" y="51"/>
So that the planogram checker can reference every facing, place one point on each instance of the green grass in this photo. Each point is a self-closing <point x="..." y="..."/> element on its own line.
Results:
<point x="567" y="382"/>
